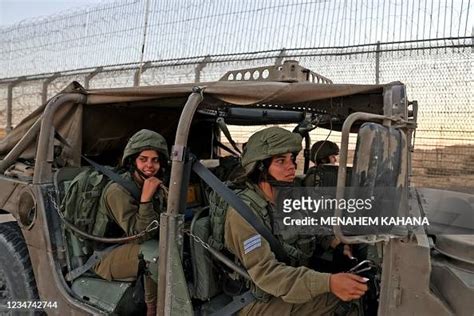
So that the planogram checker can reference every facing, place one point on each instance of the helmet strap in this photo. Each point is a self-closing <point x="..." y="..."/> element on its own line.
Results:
<point x="279" y="184"/>
<point x="142" y="176"/>
<point x="263" y="166"/>
<point x="274" y="182"/>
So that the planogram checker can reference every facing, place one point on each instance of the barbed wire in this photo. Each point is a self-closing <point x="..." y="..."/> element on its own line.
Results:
<point x="439" y="78"/>
<point x="129" y="31"/>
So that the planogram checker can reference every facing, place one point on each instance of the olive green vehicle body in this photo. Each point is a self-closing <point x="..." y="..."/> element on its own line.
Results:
<point x="418" y="276"/>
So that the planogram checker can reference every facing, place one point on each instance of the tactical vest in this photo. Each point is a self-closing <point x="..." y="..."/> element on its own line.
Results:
<point x="298" y="248"/>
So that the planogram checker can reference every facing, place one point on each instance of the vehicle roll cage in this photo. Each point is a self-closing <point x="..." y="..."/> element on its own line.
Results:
<point x="395" y="113"/>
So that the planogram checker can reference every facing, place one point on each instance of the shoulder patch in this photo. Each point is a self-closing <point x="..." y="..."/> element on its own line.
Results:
<point x="252" y="243"/>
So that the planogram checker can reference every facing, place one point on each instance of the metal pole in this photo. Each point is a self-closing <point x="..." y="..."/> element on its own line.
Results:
<point x="10" y="87"/>
<point x="145" y="27"/>
<point x="8" y="128"/>
<point x="200" y="67"/>
<point x="377" y="63"/>
<point x="90" y="76"/>
<point x="139" y="72"/>
<point x="279" y="59"/>
<point x="46" y="82"/>
<point x="20" y="147"/>
<point x="43" y="172"/>
<point x="178" y="150"/>
<point x="168" y="221"/>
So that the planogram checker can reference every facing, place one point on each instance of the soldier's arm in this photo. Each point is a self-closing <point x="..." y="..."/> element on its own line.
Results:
<point x="131" y="216"/>
<point x="292" y="284"/>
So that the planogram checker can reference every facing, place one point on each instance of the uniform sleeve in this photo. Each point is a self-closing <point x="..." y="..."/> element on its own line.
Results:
<point x="131" y="216"/>
<point x="293" y="285"/>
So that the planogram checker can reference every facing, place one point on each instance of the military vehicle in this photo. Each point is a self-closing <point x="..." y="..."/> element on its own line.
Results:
<point x="418" y="272"/>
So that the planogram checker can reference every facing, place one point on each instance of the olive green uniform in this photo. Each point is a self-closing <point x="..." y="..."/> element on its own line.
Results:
<point x="121" y="215"/>
<point x="290" y="290"/>
<point x="293" y="290"/>
<point x="132" y="218"/>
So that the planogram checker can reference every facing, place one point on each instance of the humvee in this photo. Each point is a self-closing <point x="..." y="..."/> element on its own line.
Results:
<point x="418" y="271"/>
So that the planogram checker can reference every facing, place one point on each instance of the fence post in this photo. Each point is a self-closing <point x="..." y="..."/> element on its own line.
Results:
<point x="279" y="59"/>
<point x="200" y="67"/>
<point x="46" y="82"/>
<point x="141" y="68"/>
<point x="139" y="72"/>
<point x="10" y="87"/>
<point x="377" y="63"/>
<point x="88" y="78"/>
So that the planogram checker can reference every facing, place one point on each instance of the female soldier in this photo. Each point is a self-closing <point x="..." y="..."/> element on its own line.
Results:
<point x="281" y="289"/>
<point x="144" y="159"/>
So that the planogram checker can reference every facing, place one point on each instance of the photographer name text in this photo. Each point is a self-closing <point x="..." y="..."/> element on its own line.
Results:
<point x="356" y="221"/>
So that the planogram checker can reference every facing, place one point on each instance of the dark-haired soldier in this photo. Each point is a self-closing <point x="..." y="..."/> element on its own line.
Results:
<point x="144" y="159"/>
<point x="280" y="288"/>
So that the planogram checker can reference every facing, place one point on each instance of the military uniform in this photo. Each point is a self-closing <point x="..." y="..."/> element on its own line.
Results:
<point x="125" y="215"/>
<point x="121" y="215"/>
<point x="292" y="290"/>
<point x="322" y="175"/>
<point x="325" y="175"/>
<point x="287" y="289"/>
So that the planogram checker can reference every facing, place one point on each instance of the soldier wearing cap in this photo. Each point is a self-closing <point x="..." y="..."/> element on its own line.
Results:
<point x="144" y="159"/>
<point x="280" y="289"/>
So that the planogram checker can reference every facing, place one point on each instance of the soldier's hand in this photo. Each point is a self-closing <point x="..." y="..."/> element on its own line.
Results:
<point x="347" y="286"/>
<point x="150" y="186"/>
<point x="347" y="250"/>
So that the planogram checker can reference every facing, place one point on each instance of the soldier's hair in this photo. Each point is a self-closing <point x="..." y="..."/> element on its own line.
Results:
<point x="130" y="164"/>
<point x="260" y="172"/>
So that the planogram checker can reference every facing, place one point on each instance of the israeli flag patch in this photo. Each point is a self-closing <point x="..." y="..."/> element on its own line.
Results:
<point x="252" y="243"/>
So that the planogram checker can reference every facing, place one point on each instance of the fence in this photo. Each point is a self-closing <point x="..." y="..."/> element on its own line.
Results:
<point x="133" y="31"/>
<point x="437" y="72"/>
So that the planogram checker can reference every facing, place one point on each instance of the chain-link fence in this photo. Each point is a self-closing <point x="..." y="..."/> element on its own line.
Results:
<point x="131" y="31"/>
<point x="437" y="72"/>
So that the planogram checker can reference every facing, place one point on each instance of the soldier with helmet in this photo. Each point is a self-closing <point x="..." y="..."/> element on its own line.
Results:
<point x="323" y="153"/>
<point x="144" y="159"/>
<point x="280" y="288"/>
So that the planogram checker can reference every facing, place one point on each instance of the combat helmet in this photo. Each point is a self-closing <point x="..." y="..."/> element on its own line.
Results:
<point x="267" y="143"/>
<point x="146" y="140"/>
<point x="323" y="149"/>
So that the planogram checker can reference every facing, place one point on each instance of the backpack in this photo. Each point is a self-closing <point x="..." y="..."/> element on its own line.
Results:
<point x="217" y="214"/>
<point x="82" y="198"/>
<point x="80" y="205"/>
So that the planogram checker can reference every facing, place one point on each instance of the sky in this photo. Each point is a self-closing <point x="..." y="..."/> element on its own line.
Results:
<point x="15" y="11"/>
